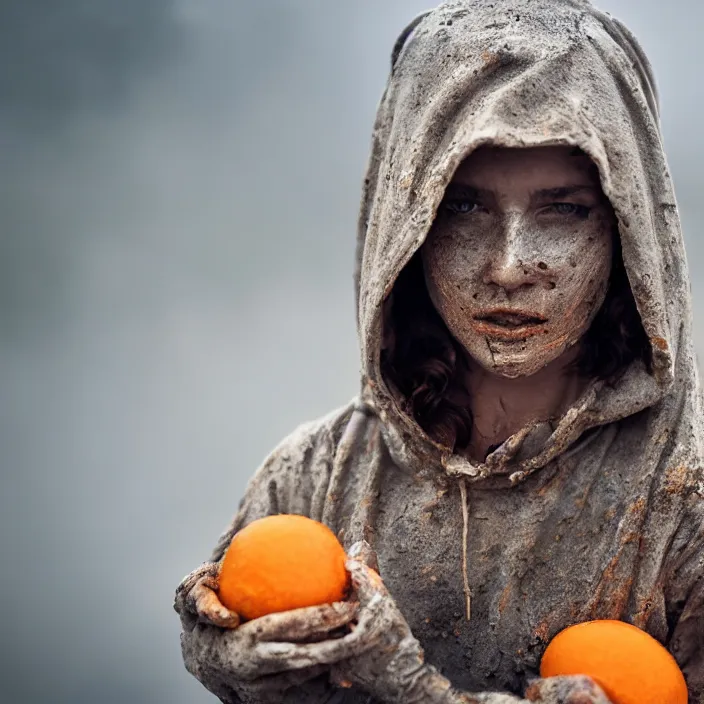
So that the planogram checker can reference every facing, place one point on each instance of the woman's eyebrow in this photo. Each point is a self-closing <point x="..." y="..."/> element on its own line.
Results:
<point x="463" y="190"/>
<point x="563" y="192"/>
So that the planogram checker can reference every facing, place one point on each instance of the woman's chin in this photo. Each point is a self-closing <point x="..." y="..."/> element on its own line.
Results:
<point x="514" y="360"/>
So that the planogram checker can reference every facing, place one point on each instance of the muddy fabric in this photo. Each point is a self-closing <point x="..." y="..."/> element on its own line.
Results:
<point x="597" y="515"/>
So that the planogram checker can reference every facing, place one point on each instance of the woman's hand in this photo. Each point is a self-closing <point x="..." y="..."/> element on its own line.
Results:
<point x="197" y="600"/>
<point x="393" y="670"/>
<point x="365" y="641"/>
<point x="260" y="660"/>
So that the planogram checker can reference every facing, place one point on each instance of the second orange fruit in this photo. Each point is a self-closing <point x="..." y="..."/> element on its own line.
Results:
<point x="626" y="662"/>
<point x="280" y="563"/>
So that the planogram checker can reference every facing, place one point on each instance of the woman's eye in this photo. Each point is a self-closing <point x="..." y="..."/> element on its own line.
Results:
<point x="460" y="206"/>
<point x="580" y="211"/>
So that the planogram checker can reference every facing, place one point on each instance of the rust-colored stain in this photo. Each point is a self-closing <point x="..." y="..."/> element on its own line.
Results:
<point x="676" y="479"/>
<point x="613" y="590"/>
<point x="490" y="59"/>
<point x="618" y="590"/>
<point x="619" y="598"/>
<point x="505" y="594"/>
<point x="631" y="537"/>
<point x="542" y="631"/>
<point x="645" y="609"/>
<point x="637" y="506"/>
<point x="533" y="693"/>
<point x="467" y="699"/>
<point x="660" y="343"/>
<point x="608" y="574"/>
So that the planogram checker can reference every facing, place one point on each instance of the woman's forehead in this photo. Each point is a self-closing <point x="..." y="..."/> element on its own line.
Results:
<point x="539" y="167"/>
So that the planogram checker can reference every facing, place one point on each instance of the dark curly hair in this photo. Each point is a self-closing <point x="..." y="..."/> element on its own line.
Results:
<point x="427" y="365"/>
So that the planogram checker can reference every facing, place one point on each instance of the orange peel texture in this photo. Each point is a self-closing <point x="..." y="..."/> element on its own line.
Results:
<point x="279" y="563"/>
<point x="627" y="663"/>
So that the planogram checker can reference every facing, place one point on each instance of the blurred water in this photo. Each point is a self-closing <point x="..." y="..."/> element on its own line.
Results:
<point x="178" y="199"/>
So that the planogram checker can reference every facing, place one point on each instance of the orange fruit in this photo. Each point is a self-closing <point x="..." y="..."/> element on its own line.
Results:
<point x="280" y="563"/>
<point x="627" y="663"/>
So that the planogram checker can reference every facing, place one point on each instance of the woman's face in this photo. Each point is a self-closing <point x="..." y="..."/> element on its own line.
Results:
<point x="518" y="260"/>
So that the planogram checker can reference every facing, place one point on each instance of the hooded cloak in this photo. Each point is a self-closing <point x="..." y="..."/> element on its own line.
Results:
<point x="596" y="515"/>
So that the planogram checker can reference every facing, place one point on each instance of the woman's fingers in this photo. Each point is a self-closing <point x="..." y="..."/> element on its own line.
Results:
<point x="189" y="595"/>
<point x="208" y="606"/>
<point x="366" y="582"/>
<point x="240" y="654"/>
<point x="197" y="600"/>
<point x="363" y="552"/>
<point x="275" y="657"/>
<point x="182" y="601"/>
<point x="311" y="623"/>
<point x="567" y="689"/>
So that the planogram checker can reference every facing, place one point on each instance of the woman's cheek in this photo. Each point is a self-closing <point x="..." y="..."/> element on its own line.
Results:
<point x="471" y="246"/>
<point x="453" y="251"/>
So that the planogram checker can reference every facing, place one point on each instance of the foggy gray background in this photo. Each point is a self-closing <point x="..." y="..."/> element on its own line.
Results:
<point x="178" y="194"/>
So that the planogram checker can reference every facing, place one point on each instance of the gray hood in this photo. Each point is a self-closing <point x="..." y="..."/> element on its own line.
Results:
<point x="526" y="73"/>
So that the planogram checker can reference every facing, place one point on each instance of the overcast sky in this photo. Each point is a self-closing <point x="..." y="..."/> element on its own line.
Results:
<point x="178" y="194"/>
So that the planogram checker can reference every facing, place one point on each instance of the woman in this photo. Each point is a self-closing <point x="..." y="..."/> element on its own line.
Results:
<point x="525" y="453"/>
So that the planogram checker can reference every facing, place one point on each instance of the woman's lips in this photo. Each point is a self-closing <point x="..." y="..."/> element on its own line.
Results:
<point x="509" y="324"/>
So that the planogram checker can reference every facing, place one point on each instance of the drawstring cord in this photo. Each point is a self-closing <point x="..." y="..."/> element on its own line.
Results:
<point x="465" y="532"/>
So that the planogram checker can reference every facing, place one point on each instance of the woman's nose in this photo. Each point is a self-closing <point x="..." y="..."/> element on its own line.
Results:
<point x="510" y="267"/>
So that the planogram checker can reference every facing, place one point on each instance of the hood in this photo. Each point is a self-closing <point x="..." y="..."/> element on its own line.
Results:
<point x="516" y="74"/>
